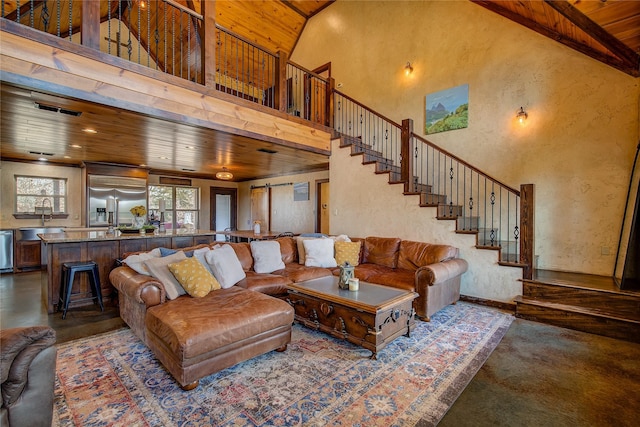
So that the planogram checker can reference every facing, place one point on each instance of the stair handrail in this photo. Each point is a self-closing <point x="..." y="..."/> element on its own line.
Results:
<point x="382" y="116"/>
<point x="459" y="160"/>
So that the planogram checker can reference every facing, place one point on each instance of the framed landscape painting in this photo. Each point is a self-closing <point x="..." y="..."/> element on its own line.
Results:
<point x="447" y="110"/>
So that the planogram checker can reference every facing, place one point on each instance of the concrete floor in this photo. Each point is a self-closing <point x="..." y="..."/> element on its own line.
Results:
<point x="538" y="375"/>
<point x="542" y="375"/>
<point x="21" y="305"/>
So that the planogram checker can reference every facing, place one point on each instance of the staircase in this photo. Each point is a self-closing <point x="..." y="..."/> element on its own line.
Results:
<point x="486" y="237"/>
<point x="582" y="302"/>
<point x="495" y="214"/>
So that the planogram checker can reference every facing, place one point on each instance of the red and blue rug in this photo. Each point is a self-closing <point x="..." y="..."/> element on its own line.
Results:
<point x="114" y="380"/>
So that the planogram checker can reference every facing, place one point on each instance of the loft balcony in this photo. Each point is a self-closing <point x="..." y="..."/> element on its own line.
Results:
<point x="147" y="61"/>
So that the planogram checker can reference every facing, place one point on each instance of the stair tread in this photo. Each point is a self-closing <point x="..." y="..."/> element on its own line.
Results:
<point x="575" y="309"/>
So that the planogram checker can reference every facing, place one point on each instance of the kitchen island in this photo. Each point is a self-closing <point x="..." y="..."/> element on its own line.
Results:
<point x="104" y="249"/>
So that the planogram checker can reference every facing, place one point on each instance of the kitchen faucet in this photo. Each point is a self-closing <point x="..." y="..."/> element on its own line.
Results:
<point x="50" y="211"/>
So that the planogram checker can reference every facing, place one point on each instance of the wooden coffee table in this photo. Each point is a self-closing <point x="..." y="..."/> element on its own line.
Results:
<point x="371" y="317"/>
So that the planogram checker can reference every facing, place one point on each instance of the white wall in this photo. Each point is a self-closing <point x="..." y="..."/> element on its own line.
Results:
<point x="576" y="147"/>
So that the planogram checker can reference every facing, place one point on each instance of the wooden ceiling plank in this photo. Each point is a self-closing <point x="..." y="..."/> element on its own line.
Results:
<point x="614" y="45"/>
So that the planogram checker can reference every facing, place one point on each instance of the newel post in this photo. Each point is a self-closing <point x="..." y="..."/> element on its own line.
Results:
<point x="405" y="154"/>
<point x="527" y="246"/>
<point x="280" y="90"/>
<point x="208" y="43"/>
<point x="331" y="87"/>
<point x="90" y="26"/>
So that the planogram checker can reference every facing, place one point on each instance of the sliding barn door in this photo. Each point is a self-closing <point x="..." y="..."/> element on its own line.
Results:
<point x="260" y="207"/>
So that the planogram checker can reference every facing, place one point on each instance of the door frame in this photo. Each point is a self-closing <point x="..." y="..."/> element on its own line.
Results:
<point x="233" y="192"/>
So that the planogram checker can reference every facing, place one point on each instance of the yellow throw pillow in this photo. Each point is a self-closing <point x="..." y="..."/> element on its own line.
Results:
<point x="348" y="251"/>
<point x="194" y="277"/>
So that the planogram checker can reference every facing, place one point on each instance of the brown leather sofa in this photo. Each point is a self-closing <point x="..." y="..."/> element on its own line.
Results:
<point x="433" y="271"/>
<point x="194" y="337"/>
<point x="27" y="371"/>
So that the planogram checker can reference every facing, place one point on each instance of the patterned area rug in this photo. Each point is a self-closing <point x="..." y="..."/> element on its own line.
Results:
<point x="113" y="379"/>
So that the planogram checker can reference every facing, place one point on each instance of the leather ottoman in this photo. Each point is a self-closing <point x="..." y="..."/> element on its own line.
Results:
<point x="195" y="337"/>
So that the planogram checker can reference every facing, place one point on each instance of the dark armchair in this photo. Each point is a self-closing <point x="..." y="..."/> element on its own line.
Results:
<point x="27" y="372"/>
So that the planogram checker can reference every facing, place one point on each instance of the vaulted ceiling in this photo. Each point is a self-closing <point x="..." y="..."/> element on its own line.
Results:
<point x="606" y="30"/>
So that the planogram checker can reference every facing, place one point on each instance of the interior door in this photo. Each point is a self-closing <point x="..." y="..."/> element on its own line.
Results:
<point x="323" y="207"/>
<point x="224" y="209"/>
<point x="260" y="207"/>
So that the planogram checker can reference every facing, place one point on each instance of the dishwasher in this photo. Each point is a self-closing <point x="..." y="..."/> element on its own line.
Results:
<point x="6" y="251"/>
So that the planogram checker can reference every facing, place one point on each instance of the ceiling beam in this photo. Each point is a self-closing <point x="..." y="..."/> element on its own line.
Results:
<point x="619" y="49"/>
<point x="613" y="61"/>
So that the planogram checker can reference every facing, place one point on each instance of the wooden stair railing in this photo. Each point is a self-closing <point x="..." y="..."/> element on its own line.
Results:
<point x="501" y="217"/>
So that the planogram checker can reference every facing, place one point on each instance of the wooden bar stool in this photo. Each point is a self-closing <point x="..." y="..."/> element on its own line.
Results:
<point x="69" y="270"/>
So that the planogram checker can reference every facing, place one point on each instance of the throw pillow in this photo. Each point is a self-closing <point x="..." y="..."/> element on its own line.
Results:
<point x="160" y="270"/>
<point x="267" y="257"/>
<point x="225" y="266"/>
<point x="348" y="251"/>
<point x="301" y="252"/>
<point x="200" y="255"/>
<point x="319" y="253"/>
<point x="169" y="251"/>
<point x="194" y="277"/>
<point x="136" y="262"/>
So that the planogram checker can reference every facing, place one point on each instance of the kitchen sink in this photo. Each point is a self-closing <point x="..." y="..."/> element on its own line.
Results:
<point x="31" y="233"/>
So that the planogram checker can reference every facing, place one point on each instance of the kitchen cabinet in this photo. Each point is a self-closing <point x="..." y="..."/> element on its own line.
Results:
<point x="27" y="254"/>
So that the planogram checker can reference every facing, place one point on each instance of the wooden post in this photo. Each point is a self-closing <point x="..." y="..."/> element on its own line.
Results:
<point x="208" y="43"/>
<point x="90" y="26"/>
<point x="280" y="90"/>
<point x="527" y="247"/>
<point x="405" y="154"/>
<point x="330" y="88"/>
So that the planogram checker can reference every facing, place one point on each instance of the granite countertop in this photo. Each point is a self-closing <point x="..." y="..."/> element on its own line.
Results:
<point x="83" y="236"/>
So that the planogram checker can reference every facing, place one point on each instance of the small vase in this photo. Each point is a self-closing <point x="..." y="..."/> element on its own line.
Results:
<point x="138" y="221"/>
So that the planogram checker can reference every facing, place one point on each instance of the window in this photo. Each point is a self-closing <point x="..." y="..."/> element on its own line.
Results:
<point x="40" y="192"/>
<point x="182" y="205"/>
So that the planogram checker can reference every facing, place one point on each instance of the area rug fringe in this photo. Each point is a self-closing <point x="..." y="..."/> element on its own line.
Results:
<point x="112" y="379"/>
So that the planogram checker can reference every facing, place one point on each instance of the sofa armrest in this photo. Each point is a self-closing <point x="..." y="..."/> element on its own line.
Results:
<point x="143" y="289"/>
<point x="434" y="274"/>
<point x="19" y="347"/>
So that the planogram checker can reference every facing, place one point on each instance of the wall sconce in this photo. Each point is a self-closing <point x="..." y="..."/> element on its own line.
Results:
<point x="224" y="174"/>
<point x="522" y="115"/>
<point x="408" y="69"/>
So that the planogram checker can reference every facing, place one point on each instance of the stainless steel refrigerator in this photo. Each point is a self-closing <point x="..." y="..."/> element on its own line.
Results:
<point x="127" y="193"/>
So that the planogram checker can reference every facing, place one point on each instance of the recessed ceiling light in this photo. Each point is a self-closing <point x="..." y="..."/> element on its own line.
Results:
<point x="190" y="147"/>
<point x="89" y="130"/>
<point x="42" y="159"/>
<point x="75" y="146"/>
<point x="143" y="165"/>
<point x="163" y="157"/>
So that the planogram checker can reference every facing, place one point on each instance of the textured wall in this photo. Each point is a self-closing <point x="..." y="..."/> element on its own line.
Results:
<point x="576" y="146"/>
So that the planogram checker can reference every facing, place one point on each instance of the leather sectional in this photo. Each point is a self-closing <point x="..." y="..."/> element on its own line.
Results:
<point x="195" y="337"/>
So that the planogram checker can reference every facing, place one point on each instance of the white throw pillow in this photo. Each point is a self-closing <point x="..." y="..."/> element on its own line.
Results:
<point x="136" y="262"/>
<point x="319" y="253"/>
<point x="267" y="256"/>
<point x="225" y="266"/>
<point x="159" y="268"/>
<point x="301" y="251"/>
